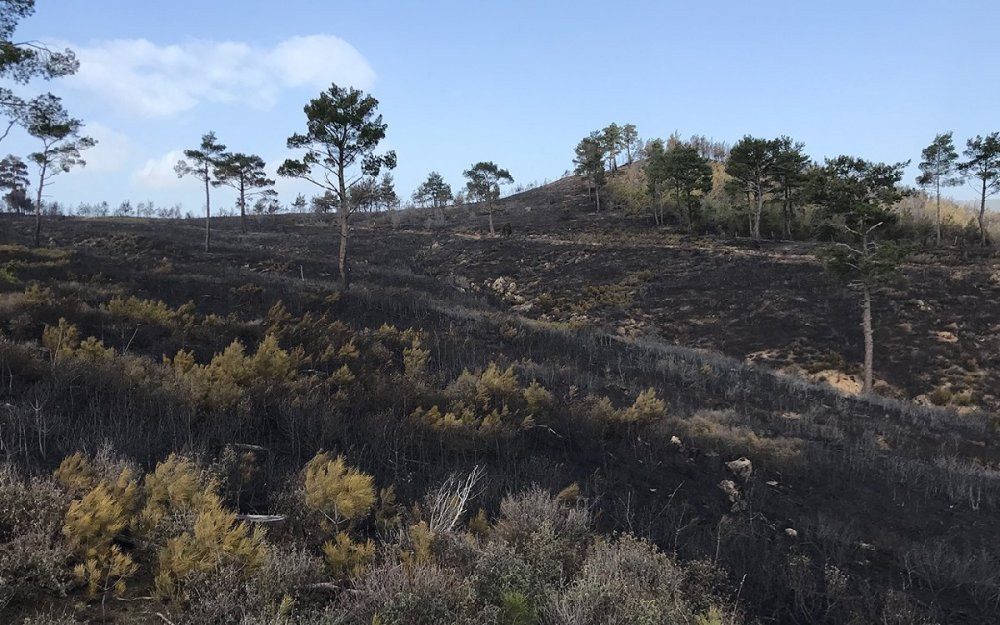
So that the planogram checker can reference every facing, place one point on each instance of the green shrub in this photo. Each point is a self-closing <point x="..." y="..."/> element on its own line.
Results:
<point x="33" y="557"/>
<point x="424" y="594"/>
<point x="622" y="582"/>
<point x="941" y="396"/>
<point x="552" y="537"/>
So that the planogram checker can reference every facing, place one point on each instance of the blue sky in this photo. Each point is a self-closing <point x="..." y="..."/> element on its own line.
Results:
<point x="515" y="82"/>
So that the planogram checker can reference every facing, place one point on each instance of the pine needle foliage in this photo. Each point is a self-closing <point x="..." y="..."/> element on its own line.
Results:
<point x="61" y="339"/>
<point x="339" y="494"/>
<point x="216" y="540"/>
<point x="646" y="408"/>
<point x="347" y="558"/>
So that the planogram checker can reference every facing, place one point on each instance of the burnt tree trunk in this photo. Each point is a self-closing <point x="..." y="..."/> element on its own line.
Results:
<point x="208" y="213"/>
<point x="866" y="326"/>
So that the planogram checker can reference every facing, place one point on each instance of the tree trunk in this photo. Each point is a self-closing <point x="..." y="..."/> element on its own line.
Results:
<point x="208" y="214"/>
<point x="937" y="187"/>
<point x="38" y="202"/>
<point x="489" y="209"/>
<point x="597" y="193"/>
<point x="758" y="210"/>
<point x="866" y="325"/>
<point x="982" y="216"/>
<point x="343" y="213"/>
<point x="243" y="206"/>
<point x="787" y="211"/>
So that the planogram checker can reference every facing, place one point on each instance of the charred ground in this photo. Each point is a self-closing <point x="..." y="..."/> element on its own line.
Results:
<point x="857" y="508"/>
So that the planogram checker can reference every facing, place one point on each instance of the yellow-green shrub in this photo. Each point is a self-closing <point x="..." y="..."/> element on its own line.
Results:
<point x="60" y="340"/>
<point x="496" y="386"/>
<point x="176" y="487"/>
<point x="222" y="382"/>
<point x="106" y="572"/>
<point x="646" y="408"/>
<point x="415" y="360"/>
<point x="347" y="558"/>
<point x="93" y="521"/>
<point x="93" y="350"/>
<point x="338" y="494"/>
<point x="146" y="311"/>
<point x="76" y="473"/>
<point x="91" y="525"/>
<point x="216" y="540"/>
<point x="537" y="400"/>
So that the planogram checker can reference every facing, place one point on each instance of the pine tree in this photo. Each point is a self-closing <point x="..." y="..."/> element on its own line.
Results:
<point x="201" y="164"/>
<point x="983" y="162"/>
<point x="343" y="130"/>
<point x="859" y="196"/>
<point x="938" y="169"/>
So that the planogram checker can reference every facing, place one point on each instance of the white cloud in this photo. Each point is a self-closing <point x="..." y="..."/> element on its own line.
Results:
<point x="158" y="173"/>
<point x="111" y="152"/>
<point x="157" y="81"/>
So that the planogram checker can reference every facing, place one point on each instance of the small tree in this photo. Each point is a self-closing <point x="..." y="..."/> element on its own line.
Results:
<point x="434" y="191"/>
<point x="679" y="171"/>
<point x="14" y="178"/>
<point x="938" y="169"/>
<point x="267" y="202"/>
<point x="590" y="163"/>
<point x="300" y="203"/>
<point x="343" y="129"/>
<point x="656" y="178"/>
<point x="201" y="164"/>
<point x="630" y="140"/>
<point x="752" y="163"/>
<point x="790" y="167"/>
<point x="858" y="196"/>
<point x="386" y="193"/>
<point x="484" y="183"/>
<point x="245" y="173"/>
<point x="612" y="145"/>
<point x="59" y="133"/>
<point x="983" y="162"/>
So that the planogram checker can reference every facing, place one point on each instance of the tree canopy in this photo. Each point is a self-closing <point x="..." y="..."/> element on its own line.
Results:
<point x="20" y="61"/>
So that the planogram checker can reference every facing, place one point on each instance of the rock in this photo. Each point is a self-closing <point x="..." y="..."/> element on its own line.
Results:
<point x="772" y="483"/>
<point x="741" y="468"/>
<point x="946" y="337"/>
<point x="791" y="532"/>
<point x="729" y="488"/>
<point x="461" y="282"/>
<point x="675" y="441"/>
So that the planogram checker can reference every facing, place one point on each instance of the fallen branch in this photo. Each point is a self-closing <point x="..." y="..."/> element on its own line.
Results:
<point x="261" y="518"/>
<point x="165" y="619"/>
